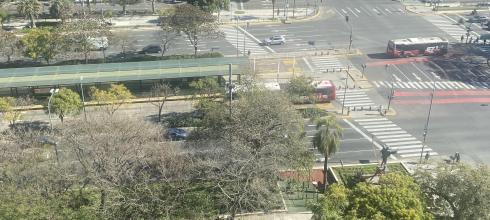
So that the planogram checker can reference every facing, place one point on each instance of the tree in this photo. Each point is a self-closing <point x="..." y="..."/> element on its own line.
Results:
<point x="30" y="9"/>
<point x="396" y="196"/>
<point x="167" y="32"/>
<point x="211" y="5"/>
<point x="300" y="87"/>
<point x="3" y="17"/>
<point x="66" y="102"/>
<point x="327" y="141"/>
<point x="113" y="98"/>
<point x="206" y="87"/>
<point x="80" y="35"/>
<point x="195" y="23"/>
<point x="162" y="91"/>
<point x="124" y="41"/>
<point x="124" y="3"/>
<point x="8" y="108"/>
<point x="457" y="191"/>
<point x="242" y="153"/>
<point x="62" y="9"/>
<point x="41" y="42"/>
<point x="9" y="44"/>
<point x="274" y="9"/>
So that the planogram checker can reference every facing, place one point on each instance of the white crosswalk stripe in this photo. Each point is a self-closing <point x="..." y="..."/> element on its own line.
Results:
<point x="388" y="133"/>
<point x="355" y="98"/>
<point x="450" y="27"/>
<point x="327" y="63"/>
<point x="442" y="85"/>
<point x="242" y="41"/>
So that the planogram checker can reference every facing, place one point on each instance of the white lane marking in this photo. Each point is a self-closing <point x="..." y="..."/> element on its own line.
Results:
<point x="375" y="123"/>
<point x="254" y="38"/>
<point x="308" y="64"/>
<point x="418" y="155"/>
<point x="366" y="136"/>
<point x="389" y="132"/>
<point x="396" y="67"/>
<point x="352" y="12"/>
<point x="393" y="136"/>
<point x="398" y="139"/>
<point x="371" y="119"/>
<point x="413" y="150"/>
<point x="380" y="126"/>
<point x="384" y="129"/>
<point x="423" y="73"/>
<point x="404" y="143"/>
<point x="407" y="147"/>
<point x="417" y="77"/>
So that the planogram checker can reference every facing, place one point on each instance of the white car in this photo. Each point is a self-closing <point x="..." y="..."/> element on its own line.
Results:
<point x="98" y="43"/>
<point x="275" y="40"/>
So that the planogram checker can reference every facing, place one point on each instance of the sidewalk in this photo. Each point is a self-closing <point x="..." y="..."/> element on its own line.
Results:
<point x="253" y="15"/>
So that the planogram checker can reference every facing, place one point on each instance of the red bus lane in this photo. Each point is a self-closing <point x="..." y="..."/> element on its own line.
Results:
<point x="441" y="97"/>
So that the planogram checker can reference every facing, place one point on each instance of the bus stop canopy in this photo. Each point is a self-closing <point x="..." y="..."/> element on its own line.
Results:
<point x="118" y="72"/>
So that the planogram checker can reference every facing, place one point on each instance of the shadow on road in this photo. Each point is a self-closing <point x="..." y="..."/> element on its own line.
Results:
<point x="379" y="56"/>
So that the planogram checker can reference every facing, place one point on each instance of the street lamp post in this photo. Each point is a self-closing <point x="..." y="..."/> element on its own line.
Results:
<point x="52" y="91"/>
<point x="237" y="50"/>
<point x="426" y="128"/>
<point x="345" y="89"/>
<point x="390" y="97"/>
<point x="350" y="26"/>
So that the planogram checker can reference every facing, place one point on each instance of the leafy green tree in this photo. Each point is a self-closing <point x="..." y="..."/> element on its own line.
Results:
<point x="327" y="141"/>
<point x="396" y="196"/>
<point x="9" y="44"/>
<point x="195" y="23"/>
<point x="30" y="9"/>
<point x="300" y="87"/>
<point x="62" y="9"/>
<point x="113" y="98"/>
<point x="41" y="42"/>
<point x="456" y="191"/>
<point x="206" y="87"/>
<point x="211" y="5"/>
<point x="66" y="102"/>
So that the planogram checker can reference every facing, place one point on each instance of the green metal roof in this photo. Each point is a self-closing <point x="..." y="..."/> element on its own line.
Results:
<point x="116" y="72"/>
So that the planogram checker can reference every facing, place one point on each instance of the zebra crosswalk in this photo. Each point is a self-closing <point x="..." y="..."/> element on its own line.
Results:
<point x="327" y="64"/>
<point x="451" y="27"/>
<point x="242" y="42"/>
<point x="354" y="98"/>
<point x="440" y="85"/>
<point x="396" y="138"/>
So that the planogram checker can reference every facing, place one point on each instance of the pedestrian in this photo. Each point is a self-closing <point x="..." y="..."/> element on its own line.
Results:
<point x="458" y="157"/>
<point x="427" y="155"/>
<point x="470" y="40"/>
<point x="484" y="41"/>
<point x="249" y="52"/>
<point x="476" y="40"/>
<point x="462" y="38"/>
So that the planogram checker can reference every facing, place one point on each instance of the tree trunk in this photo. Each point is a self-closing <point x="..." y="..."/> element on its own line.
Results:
<point x="103" y="53"/>
<point x="88" y="6"/>
<point x="325" y="172"/>
<point x="124" y="9"/>
<point x="160" y="108"/>
<point x="33" y="24"/>
<point x="153" y="6"/>
<point x="195" y="51"/>
<point x="86" y="58"/>
<point x="273" y="8"/>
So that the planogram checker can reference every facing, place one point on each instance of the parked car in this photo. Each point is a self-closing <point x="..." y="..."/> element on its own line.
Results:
<point x="478" y="19"/>
<point x="99" y="43"/>
<point x="152" y="48"/>
<point x="177" y="134"/>
<point x="275" y="40"/>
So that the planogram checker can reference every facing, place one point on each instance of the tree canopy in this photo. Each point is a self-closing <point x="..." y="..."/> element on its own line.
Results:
<point x="30" y="9"/>
<point x="66" y="102"/>
<point x="457" y="190"/>
<point x="41" y="42"/>
<point x="111" y="99"/>
<point x="396" y="196"/>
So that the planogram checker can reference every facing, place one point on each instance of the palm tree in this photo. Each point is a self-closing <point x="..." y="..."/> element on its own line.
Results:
<point x="327" y="140"/>
<point x="29" y="9"/>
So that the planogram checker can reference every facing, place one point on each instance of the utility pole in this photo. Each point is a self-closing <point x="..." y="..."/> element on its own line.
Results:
<point x="363" y="68"/>
<point x="345" y="89"/>
<point x="391" y="91"/>
<point x="426" y="128"/>
<point x="350" y="36"/>
<point x="52" y="91"/>
<point x="237" y="51"/>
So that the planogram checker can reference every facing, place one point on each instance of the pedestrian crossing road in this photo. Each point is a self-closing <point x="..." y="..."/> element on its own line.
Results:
<point x="242" y="42"/>
<point x="327" y="64"/>
<point x="388" y="133"/>
<point x="450" y="26"/>
<point x="355" y="98"/>
<point x="372" y="10"/>
<point x="439" y="85"/>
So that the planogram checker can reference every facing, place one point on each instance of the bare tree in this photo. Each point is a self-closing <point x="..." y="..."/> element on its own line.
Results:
<point x="168" y="33"/>
<point x="9" y="44"/>
<point x="124" y="41"/>
<point x="162" y="91"/>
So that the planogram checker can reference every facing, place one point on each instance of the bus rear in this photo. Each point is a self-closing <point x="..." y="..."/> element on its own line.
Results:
<point x="325" y="91"/>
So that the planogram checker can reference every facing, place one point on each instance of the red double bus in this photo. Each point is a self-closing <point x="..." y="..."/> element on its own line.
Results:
<point x="411" y="47"/>
<point x="324" y="91"/>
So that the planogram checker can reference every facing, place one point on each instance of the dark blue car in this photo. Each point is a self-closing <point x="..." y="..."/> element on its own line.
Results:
<point x="177" y="134"/>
